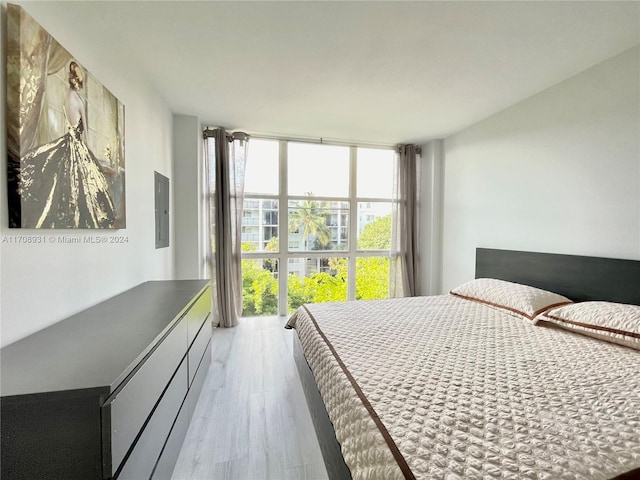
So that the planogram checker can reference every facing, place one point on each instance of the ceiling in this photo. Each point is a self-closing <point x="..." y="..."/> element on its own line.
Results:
<point x="377" y="72"/>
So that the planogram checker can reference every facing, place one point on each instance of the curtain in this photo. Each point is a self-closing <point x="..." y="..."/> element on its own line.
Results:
<point x="226" y="155"/>
<point x="404" y="272"/>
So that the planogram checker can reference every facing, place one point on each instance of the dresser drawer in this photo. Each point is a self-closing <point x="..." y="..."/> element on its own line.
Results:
<point x="131" y="407"/>
<point x="167" y="462"/>
<point x="198" y="314"/>
<point x="198" y="380"/>
<point x="198" y="348"/>
<point x="146" y="452"/>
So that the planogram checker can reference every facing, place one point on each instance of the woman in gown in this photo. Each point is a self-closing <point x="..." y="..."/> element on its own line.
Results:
<point x="62" y="184"/>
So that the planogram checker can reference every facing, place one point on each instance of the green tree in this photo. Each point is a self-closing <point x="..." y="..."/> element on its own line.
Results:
<point x="273" y="245"/>
<point x="327" y="287"/>
<point x="310" y="216"/>
<point x="298" y="292"/>
<point x="376" y="235"/>
<point x="259" y="287"/>
<point x="248" y="247"/>
<point x="319" y="287"/>
<point x="372" y="273"/>
<point x="372" y="278"/>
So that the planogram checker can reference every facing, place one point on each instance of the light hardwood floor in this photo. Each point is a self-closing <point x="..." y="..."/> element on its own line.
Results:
<point x="251" y="421"/>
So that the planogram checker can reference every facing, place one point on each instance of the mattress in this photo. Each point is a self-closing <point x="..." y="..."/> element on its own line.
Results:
<point x="446" y="388"/>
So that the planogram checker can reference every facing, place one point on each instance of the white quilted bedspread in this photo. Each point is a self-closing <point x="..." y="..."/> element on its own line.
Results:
<point x="467" y="392"/>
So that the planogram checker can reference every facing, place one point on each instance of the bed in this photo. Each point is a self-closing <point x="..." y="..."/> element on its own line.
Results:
<point x="460" y="386"/>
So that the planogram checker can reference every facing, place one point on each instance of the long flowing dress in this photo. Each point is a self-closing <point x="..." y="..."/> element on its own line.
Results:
<point x="62" y="185"/>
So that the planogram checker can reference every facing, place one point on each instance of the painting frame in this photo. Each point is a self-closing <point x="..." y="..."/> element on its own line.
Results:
<point x="65" y="136"/>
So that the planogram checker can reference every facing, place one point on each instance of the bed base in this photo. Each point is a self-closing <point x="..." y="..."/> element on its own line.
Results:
<point x="329" y="446"/>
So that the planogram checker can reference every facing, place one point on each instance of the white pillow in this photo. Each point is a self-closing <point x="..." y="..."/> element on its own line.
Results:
<point x="522" y="300"/>
<point x="614" y="322"/>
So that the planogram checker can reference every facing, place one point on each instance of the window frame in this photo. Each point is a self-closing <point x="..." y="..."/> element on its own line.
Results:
<point x="284" y="253"/>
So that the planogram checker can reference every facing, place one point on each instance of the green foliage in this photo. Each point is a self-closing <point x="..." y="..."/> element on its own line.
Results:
<point x="319" y="287"/>
<point x="273" y="245"/>
<point x="259" y="289"/>
<point x="376" y="235"/>
<point x="248" y="247"/>
<point x="298" y="294"/>
<point x="372" y="278"/>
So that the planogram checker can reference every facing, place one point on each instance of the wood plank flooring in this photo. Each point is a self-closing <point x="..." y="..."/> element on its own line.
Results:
<point x="251" y="421"/>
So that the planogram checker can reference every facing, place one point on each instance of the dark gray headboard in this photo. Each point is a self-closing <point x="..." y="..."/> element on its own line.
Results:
<point x="576" y="277"/>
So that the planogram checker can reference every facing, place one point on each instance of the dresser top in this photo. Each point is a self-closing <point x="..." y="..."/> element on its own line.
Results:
<point x="98" y="347"/>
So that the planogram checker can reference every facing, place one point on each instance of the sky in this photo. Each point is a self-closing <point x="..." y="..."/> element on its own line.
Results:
<point x="320" y="169"/>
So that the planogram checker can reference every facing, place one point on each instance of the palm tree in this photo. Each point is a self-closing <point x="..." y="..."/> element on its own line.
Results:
<point x="311" y="217"/>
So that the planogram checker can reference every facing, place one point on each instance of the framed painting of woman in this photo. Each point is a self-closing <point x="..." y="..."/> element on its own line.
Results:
<point x="65" y="136"/>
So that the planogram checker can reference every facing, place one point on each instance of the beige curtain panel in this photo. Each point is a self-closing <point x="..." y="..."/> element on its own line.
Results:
<point x="404" y="271"/>
<point x="226" y="155"/>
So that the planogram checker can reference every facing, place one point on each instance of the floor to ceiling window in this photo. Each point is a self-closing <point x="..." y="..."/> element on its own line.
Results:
<point x="316" y="224"/>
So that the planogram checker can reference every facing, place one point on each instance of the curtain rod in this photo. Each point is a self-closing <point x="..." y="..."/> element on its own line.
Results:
<point x="208" y="131"/>
<point x="323" y="140"/>
<point x="234" y="135"/>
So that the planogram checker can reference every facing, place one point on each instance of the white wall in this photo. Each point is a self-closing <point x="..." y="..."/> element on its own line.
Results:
<point x="559" y="172"/>
<point x="430" y="250"/>
<point x="44" y="283"/>
<point x="187" y="141"/>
